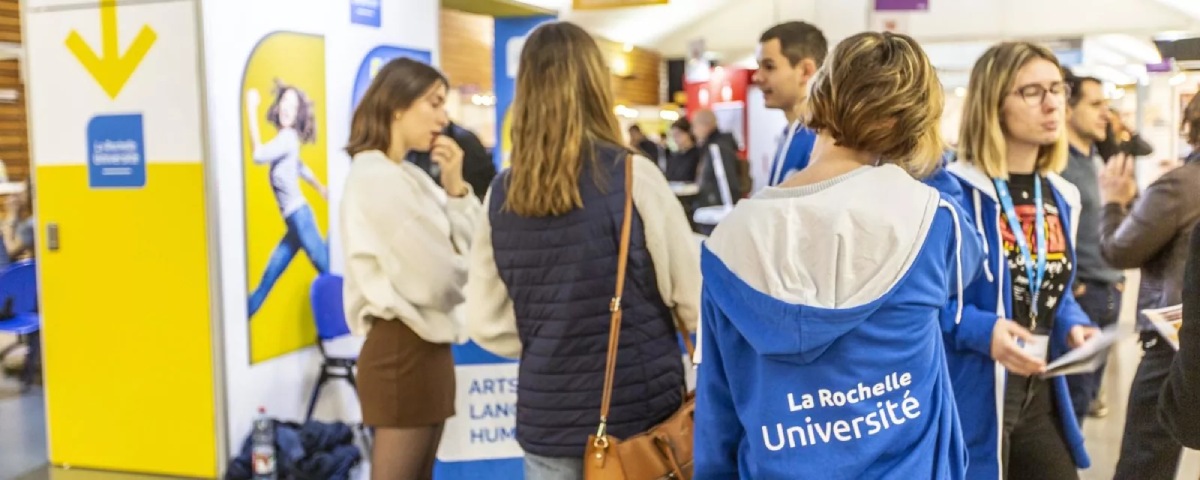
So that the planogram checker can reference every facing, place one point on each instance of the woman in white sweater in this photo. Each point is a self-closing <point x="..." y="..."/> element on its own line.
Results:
<point x="405" y="246"/>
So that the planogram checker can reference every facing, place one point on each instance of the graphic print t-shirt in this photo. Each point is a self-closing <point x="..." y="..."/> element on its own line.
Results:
<point x="1058" y="263"/>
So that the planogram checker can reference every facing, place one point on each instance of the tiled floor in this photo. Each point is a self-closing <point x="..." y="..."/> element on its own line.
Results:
<point x="23" y="439"/>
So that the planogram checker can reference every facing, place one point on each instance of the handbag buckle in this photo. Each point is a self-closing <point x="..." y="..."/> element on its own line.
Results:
<point x="601" y="441"/>
<point x="614" y="305"/>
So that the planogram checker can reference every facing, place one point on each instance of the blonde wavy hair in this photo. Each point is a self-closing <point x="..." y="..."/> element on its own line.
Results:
<point x="562" y="110"/>
<point x="981" y="141"/>
<point x="879" y="93"/>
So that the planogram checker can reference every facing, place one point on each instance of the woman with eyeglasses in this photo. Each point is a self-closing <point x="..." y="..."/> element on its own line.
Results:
<point x="1019" y="315"/>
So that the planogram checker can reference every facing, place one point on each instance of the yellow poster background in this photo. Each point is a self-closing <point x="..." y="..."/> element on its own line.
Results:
<point x="284" y="323"/>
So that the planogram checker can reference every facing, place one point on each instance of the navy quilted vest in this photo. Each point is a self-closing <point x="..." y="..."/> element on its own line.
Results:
<point x="561" y="273"/>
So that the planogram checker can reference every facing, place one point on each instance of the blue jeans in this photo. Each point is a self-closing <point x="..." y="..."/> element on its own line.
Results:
<point x="1102" y="304"/>
<point x="553" y="468"/>
<point x="301" y="233"/>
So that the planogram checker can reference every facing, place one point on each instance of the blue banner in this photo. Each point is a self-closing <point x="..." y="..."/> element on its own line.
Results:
<point x="510" y="38"/>
<point x="116" y="154"/>
<point x="366" y="12"/>
<point x="376" y="59"/>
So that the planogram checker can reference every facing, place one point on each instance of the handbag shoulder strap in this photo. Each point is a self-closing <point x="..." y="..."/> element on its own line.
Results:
<point x="610" y="366"/>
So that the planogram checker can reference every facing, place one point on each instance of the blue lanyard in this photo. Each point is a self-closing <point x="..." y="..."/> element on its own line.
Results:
<point x="1039" y="226"/>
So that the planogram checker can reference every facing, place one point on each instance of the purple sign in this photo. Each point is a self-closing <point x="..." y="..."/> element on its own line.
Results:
<point x="901" y="5"/>
<point x="1162" y="67"/>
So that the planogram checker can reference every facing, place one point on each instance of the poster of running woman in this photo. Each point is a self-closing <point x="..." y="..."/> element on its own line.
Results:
<point x="286" y="190"/>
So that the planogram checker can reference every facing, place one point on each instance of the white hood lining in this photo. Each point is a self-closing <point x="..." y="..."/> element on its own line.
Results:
<point x="840" y="247"/>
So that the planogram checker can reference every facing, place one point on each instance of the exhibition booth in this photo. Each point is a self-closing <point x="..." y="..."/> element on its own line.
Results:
<point x="177" y="277"/>
<point x="178" y="281"/>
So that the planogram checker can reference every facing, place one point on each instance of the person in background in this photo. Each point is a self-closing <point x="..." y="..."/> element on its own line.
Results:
<point x="1181" y="394"/>
<point x="544" y="262"/>
<point x="1120" y="139"/>
<point x="478" y="166"/>
<point x="1020" y="313"/>
<point x="685" y="161"/>
<point x="18" y="228"/>
<point x="406" y="242"/>
<point x="1098" y="286"/>
<point x="715" y="146"/>
<point x="788" y="57"/>
<point x="788" y="313"/>
<point x="1153" y="235"/>
<point x="639" y="142"/>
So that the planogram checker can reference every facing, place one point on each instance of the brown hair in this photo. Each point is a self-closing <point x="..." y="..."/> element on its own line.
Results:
<point x="798" y="41"/>
<point x="306" y="122"/>
<point x="562" y="110"/>
<point x="981" y="141"/>
<point x="1191" y="121"/>
<point x="879" y="93"/>
<point x="397" y="85"/>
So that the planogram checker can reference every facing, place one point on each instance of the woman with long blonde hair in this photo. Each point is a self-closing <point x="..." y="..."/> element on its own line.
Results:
<point x="1020" y="314"/>
<point x="544" y="261"/>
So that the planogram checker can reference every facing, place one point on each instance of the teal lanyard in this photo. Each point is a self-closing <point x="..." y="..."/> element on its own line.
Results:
<point x="1034" y="275"/>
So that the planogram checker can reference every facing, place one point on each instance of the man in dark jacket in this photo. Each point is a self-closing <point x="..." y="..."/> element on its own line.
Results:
<point x="478" y="169"/>
<point x="1154" y="235"/>
<point x="715" y="146"/>
<point x="1181" y="395"/>
<point x="1177" y="408"/>
<point x="1098" y="286"/>
<point x="1121" y="139"/>
<point x="651" y="150"/>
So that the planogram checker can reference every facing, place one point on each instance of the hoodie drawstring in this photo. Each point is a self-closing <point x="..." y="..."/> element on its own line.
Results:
<point x="957" y="256"/>
<point x="987" y="269"/>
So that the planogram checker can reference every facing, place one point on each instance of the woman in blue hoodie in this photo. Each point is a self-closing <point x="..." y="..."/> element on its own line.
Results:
<point x="1012" y="144"/>
<point x="825" y="298"/>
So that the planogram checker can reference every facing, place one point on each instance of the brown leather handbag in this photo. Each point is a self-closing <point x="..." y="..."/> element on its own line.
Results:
<point x="665" y="451"/>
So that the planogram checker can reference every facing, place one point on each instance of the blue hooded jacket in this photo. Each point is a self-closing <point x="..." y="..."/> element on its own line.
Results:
<point x="978" y="380"/>
<point x="822" y="353"/>
<point x="795" y="153"/>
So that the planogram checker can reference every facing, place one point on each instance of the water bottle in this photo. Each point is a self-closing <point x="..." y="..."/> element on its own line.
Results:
<point x="263" y="447"/>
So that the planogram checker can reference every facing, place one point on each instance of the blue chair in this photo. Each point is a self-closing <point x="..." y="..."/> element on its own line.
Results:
<point x="331" y="324"/>
<point x="19" y="314"/>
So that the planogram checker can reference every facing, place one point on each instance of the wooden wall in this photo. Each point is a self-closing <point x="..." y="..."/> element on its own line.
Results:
<point x="640" y="86"/>
<point x="466" y="49"/>
<point x="14" y="133"/>
<point x="466" y="57"/>
<point x="10" y="21"/>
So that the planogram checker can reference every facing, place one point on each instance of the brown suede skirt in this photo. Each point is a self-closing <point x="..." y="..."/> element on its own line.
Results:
<point x="403" y="380"/>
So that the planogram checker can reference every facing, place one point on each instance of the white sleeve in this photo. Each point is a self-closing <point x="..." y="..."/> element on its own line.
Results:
<point x="670" y="241"/>
<point x="394" y="233"/>
<point x="491" y="321"/>
<point x="464" y="213"/>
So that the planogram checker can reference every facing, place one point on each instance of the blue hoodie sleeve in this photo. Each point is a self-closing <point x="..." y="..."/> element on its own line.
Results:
<point x="1069" y="315"/>
<point x="973" y="329"/>
<point x="718" y="431"/>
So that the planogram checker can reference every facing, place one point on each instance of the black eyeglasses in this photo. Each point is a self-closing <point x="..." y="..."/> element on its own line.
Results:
<point x="1035" y="94"/>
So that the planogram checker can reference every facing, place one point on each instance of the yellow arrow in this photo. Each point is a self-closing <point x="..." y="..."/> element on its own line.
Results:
<point x="111" y="69"/>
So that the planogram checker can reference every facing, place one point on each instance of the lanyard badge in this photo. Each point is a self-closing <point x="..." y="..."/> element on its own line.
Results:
<point x="1034" y="275"/>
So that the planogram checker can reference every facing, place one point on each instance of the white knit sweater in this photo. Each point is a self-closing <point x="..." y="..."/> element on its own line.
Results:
<point x="405" y="244"/>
